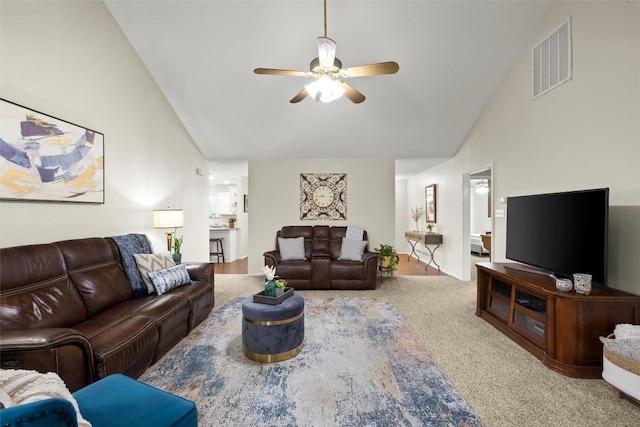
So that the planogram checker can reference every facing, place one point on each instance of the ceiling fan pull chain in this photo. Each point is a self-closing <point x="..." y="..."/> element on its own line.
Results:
<point x="325" y="18"/>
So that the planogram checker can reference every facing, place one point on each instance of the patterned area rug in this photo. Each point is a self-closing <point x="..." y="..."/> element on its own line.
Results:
<point x="360" y="366"/>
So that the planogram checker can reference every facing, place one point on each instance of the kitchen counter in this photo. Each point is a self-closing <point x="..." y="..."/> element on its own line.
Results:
<point x="229" y="242"/>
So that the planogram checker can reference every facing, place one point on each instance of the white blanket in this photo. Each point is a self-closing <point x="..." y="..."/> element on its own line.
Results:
<point x="25" y="386"/>
<point x="354" y="232"/>
<point x="627" y="331"/>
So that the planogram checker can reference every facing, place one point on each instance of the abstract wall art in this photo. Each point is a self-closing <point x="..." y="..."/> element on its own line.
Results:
<point x="43" y="158"/>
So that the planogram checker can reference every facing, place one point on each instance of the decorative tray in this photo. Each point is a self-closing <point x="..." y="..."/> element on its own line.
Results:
<point x="263" y="299"/>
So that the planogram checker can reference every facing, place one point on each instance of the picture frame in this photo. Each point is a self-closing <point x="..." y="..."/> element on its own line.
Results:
<point x="430" y="204"/>
<point x="246" y="203"/>
<point x="47" y="159"/>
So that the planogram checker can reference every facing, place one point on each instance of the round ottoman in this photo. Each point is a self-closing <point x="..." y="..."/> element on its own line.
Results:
<point x="272" y="333"/>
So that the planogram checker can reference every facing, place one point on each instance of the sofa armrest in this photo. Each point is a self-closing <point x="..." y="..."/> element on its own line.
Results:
<point x="51" y="412"/>
<point x="272" y="258"/>
<point x="370" y="257"/>
<point x="201" y="271"/>
<point x="370" y="260"/>
<point x="64" y="351"/>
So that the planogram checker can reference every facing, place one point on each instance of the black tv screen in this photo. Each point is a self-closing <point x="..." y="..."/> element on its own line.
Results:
<point x="562" y="233"/>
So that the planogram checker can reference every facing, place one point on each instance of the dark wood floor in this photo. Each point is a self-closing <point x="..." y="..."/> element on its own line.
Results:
<point x="410" y="267"/>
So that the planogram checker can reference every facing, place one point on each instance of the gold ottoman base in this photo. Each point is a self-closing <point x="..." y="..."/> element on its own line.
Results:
<point x="272" y="358"/>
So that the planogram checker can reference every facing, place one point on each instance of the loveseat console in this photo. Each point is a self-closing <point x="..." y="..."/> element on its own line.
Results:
<point x="324" y="260"/>
<point x="560" y="328"/>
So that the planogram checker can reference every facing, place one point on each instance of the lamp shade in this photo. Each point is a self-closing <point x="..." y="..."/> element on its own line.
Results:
<point x="168" y="218"/>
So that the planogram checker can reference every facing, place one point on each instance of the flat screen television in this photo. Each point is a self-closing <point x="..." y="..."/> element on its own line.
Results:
<point x="561" y="233"/>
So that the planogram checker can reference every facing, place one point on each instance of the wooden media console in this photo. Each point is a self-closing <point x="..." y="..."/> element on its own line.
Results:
<point x="562" y="329"/>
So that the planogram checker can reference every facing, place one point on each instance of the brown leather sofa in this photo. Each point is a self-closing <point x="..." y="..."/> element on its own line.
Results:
<point x="322" y="269"/>
<point x="67" y="307"/>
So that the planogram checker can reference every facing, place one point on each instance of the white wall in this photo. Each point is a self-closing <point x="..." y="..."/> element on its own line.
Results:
<point x="69" y="59"/>
<point x="584" y="134"/>
<point x="274" y="188"/>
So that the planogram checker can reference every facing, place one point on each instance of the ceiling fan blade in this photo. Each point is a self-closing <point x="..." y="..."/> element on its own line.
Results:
<point x="371" y="69"/>
<point x="300" y="96"/>
<point x="351" y="93"/>
<point x="326" y="52"/>
<point x="277" y="72"/>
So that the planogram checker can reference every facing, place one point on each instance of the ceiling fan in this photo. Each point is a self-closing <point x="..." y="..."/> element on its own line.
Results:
<point x="328" y="73"/>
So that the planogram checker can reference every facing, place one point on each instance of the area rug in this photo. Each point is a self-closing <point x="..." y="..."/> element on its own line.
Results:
<point x="360" y="366"/>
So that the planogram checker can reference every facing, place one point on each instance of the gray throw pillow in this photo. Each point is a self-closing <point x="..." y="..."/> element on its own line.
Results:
<point x="352" y="250"/>
<point x="291" y="249"/>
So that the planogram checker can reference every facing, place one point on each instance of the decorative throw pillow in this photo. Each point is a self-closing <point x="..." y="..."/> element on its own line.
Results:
<point x="169" y="278"/>
<point x="352" y="250"/>
<point x="291" y="249"/>
<point x="152" y="262"/>
<point x="25" y="386"/>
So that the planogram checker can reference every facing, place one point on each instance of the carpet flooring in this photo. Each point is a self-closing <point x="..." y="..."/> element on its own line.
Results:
<point x="360" y="366"/>
<point x="502" y="383"/>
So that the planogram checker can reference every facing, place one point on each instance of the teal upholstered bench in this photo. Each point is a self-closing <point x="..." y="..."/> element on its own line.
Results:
<point x="120" y="401"/>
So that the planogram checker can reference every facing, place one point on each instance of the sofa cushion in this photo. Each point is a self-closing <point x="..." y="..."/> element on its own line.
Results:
<point x="152" y="262"/>
<point x="291" y="249"/>
<point x="170" y="312"/>
<point x="94" y="270"/>
<point x="36" y="291"/>
<point x="121" y="344"/>
<point x="169" y="278"/>
<point x="352" y="250"/>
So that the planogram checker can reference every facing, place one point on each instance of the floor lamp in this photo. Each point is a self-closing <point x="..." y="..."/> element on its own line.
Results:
<point x="168" y="218"/>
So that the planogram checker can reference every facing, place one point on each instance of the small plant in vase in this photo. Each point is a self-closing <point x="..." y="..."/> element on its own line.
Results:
<point x="232" y="222"/>
<point x="416" y="214"/>
<point x="429" y="228"/>
<point x="281" y="284"/>
<point x="272" y="286"/>
<point x="177" y="244"/>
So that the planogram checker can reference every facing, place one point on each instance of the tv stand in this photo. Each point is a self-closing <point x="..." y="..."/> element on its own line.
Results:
<point x="559" y="328"/>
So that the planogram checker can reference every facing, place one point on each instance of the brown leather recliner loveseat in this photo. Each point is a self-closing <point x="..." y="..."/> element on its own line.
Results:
<point x="322" y="267"/>
<point x="68" y="307"/>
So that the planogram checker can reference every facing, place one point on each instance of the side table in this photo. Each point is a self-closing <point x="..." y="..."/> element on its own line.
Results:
<point x="415" y="237"/>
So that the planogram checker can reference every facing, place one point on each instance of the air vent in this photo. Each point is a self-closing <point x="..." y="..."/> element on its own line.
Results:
<point x="552" y="60"/>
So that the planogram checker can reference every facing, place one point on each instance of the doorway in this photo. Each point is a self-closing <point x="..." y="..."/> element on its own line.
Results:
<point x="477" y="219"/>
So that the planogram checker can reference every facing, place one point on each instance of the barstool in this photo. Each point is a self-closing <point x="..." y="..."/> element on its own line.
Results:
<point x="219" y="250"/>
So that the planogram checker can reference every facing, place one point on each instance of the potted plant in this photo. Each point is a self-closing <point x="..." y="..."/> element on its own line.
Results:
<point x="269" y="282"/>
<point x="388" y="257"/>
<point x="177" y="244"/>
<point x="232" y="222"/>
<point x="416" y="214"/>
<point x="281" y="284"/>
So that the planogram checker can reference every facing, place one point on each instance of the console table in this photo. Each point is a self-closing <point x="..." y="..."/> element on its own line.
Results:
<point x="559" y="328"/>
<point x="415" y="237"/>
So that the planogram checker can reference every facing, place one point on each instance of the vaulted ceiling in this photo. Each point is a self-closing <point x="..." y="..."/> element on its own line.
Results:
<point x="452" y="56"/>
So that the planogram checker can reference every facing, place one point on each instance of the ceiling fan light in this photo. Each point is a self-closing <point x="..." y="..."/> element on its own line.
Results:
<point x="326" y="52"/>
<point x="325" y="90"/>
<point x="483" y="187"/>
